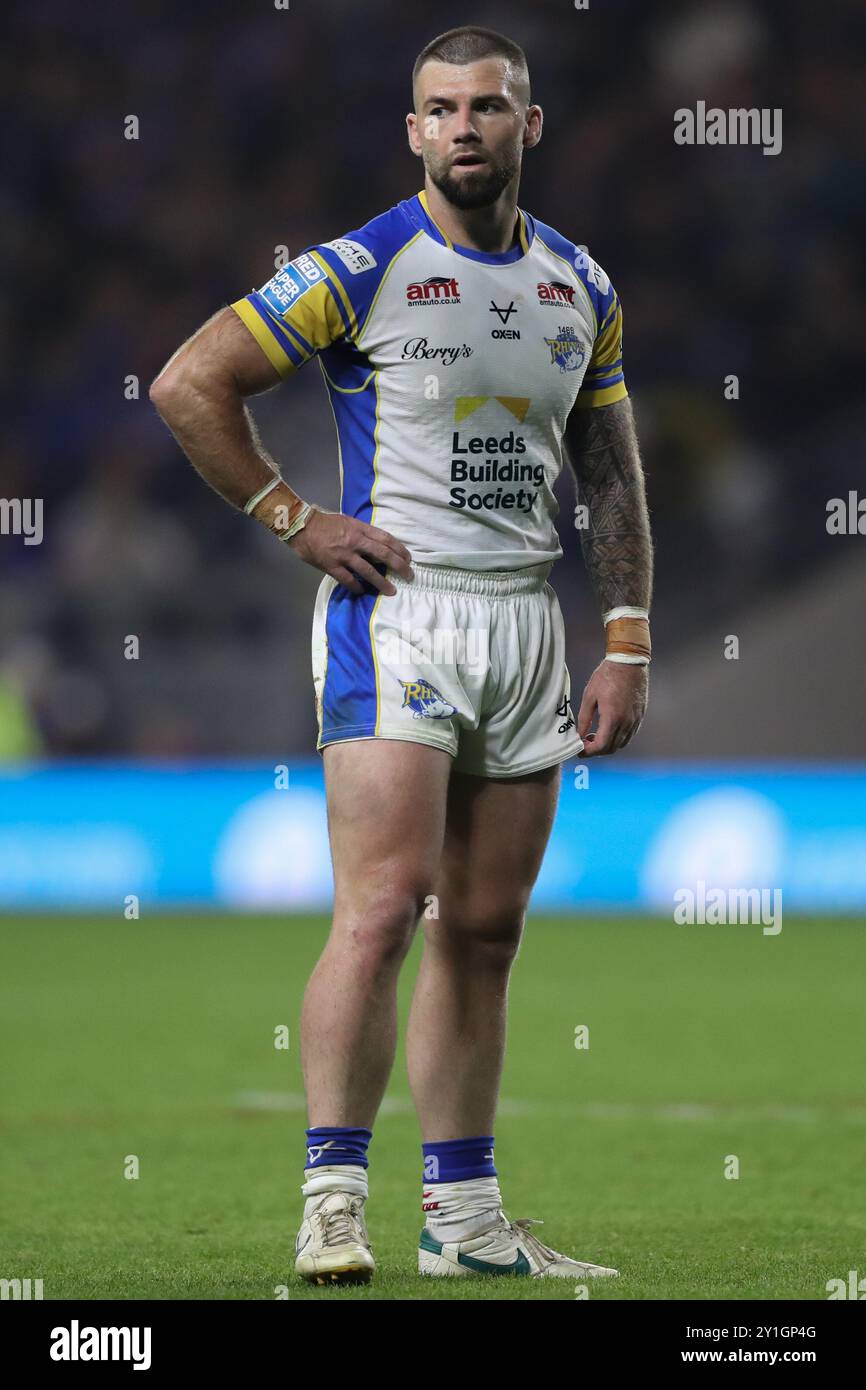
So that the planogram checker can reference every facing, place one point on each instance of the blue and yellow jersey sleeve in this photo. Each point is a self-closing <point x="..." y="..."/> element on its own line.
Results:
<point x="297" y="313"/>
<point x="604" y="382"/>
<point x="324" y="296"/>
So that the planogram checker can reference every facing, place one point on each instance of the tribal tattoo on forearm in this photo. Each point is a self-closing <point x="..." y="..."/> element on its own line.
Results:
<point x="617" y="545"/>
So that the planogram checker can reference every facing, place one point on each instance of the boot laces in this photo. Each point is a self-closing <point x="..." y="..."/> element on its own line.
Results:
<point x="340" y="1225"/>
<point x="542" y="1252"/>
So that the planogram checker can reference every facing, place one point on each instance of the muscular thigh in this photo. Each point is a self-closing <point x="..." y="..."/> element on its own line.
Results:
<point x="386" y="816"/>
<point x="495" y="837"/>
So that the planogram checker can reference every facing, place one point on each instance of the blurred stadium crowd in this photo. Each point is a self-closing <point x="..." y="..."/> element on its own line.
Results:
<point x="261" y="127"/>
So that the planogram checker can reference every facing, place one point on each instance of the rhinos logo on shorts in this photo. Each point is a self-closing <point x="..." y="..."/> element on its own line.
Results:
<point x="425" y="701"/>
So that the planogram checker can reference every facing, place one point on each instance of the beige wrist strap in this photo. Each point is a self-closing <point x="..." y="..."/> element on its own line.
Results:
<point x="296" y="520"/>
<point x="285" y="518"/>
<point x="262" y="493"/>
<point x="627" y="636"/>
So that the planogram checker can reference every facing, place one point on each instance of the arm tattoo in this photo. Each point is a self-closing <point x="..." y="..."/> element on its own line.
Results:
<point x="616" y="544"/>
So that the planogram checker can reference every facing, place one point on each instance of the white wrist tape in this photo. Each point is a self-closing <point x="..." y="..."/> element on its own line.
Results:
<point x="625" y="613"/>
<point x="262" y="492"/>
<point x="298" y="524"/>
<point x="627" y="660"/>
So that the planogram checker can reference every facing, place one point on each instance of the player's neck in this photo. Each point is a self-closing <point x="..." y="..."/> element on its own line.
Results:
<point x="492" y="229"/>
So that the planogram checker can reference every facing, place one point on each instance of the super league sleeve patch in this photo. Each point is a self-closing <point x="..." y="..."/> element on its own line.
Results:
<point x="294" y="280"/>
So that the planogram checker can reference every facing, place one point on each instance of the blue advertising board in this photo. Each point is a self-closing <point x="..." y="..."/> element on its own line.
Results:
<point x="250" y="837"/>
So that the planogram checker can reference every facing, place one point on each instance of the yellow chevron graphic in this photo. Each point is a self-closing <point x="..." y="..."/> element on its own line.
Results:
<point x="517" y="405"/>
<point x="464" y="405"/>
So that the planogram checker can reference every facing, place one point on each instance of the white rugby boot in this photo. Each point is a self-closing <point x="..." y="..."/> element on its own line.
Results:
<point x="332" y="1245"/>
<point x="507" y="1247"/>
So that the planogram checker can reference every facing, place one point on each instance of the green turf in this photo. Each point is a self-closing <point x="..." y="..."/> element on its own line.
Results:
<point x="155" y="1038"/>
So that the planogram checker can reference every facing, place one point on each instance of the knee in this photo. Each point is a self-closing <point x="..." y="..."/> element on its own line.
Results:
<point x="487" y="933"/>
<point x="377" y="926"/>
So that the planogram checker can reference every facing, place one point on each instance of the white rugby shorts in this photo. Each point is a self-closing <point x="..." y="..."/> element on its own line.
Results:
<point x="471" y="662"/>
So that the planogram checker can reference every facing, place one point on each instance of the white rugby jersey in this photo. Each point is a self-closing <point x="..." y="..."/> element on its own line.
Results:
<point x="451" y="373"/>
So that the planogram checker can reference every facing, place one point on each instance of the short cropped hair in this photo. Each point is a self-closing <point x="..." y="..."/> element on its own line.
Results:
<point x="467" y="45"/>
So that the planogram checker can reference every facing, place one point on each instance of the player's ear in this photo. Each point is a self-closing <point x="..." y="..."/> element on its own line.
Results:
<point x="534" y="123"/>
<point x="412" y="133"/>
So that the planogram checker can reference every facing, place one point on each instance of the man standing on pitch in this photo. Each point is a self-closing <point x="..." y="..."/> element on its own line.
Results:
<point x="467" y="349"/>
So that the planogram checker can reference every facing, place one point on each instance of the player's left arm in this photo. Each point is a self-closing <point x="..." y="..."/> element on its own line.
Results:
<point x="617" y="550"/>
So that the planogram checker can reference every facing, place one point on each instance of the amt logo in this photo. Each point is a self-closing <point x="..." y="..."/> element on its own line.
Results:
<point x="434" y="290"/>
<point x="554" y="292"/>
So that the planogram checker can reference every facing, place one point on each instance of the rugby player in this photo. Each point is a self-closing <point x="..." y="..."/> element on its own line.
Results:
<point x="467" y="350"/>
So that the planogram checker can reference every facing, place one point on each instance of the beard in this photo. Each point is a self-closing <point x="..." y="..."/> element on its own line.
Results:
<point x="475" y="188"/>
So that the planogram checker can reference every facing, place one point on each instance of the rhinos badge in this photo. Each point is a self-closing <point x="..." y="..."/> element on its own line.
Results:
<point x="566" y="351"/>
<point x="425" y="701"/>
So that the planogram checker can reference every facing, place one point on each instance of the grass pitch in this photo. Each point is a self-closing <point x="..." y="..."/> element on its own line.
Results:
<point x="155" y="1039"/>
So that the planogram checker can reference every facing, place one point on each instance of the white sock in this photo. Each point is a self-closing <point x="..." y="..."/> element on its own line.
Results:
<point x="337" y="1177"/>
<point x="460" y="1210"/>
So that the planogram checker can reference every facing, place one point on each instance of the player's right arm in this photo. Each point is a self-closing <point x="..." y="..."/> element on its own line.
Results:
<point x="200" y="394"/>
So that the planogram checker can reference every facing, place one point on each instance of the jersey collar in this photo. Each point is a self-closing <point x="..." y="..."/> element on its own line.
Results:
<point x="515" y="253"/>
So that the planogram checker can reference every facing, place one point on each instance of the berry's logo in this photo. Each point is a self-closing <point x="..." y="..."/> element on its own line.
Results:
<point x="436" y="289"/>
<point x="418" y="349"/>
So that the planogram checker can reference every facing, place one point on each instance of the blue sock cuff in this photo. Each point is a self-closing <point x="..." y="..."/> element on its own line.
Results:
<point x="458" y="1160"/>
<point x="327" y="1145"/>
